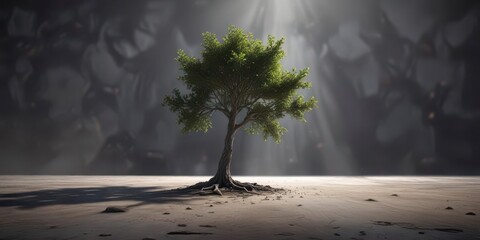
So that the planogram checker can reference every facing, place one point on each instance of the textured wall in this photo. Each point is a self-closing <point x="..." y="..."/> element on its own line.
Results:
<point x="397" y="83"/>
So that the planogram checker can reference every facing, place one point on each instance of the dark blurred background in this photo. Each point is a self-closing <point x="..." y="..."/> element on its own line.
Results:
<point x="398" y="84"/>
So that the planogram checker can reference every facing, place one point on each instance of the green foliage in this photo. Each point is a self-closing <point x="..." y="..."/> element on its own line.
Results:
<point x="239" y="73"/>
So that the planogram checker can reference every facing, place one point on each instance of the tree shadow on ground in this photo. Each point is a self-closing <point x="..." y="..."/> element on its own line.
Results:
<point x="72" y="196"/>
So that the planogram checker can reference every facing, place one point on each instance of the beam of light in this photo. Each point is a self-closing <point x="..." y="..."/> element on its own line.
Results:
<point x="314" y="147"/>
<point x="282" y="18"/>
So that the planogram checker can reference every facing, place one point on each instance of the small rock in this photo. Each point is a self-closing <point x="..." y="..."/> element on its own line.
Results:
<point x="285" y="234"/>
<point x="362" y="233"/>
<point x="53" y="227"/>
<point x="147" y="238"/>
<point x="470" y="213"/>
<point x="166" y="213"/>
<point x="104" y="235"/>
<point x="301" y="196"/>
<point x="394" y="195"/>
<point x="299" y="205"/>
<point x="182" y="225"/>
<point x="337" y="234"/>
<point x="188" y="208"/>
<point x="421" y="233"/>
<point x="207" y="226"/>
<point x="371" y="200"/>
<point x="188" y="233"/>
<point x="114" y="210"/>
<point x="211" y="205"/>
<point x="449" y="208"/>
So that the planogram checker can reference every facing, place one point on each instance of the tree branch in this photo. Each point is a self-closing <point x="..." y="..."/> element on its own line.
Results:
<point x="247" y="119"/>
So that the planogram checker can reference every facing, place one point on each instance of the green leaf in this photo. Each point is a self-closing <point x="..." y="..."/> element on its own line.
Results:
<point x="239" y="73"/>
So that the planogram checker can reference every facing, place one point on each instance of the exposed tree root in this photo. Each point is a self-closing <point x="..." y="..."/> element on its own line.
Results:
<point x="216" y="186"/>
<point x="214" y="189"/>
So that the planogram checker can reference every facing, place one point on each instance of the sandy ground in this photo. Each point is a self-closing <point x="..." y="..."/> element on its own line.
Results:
<point x="69" y="207"/>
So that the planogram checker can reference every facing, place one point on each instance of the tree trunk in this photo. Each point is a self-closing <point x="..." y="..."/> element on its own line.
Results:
<point x="223" y="177"/>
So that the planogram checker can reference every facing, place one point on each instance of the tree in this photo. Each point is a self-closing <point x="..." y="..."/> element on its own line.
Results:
<point x="238" y="75"/>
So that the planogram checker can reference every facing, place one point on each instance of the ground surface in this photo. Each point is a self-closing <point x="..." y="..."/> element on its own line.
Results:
<point x="69" y="207"/>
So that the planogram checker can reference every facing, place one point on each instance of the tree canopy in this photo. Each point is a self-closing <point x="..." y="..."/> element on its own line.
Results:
<point x="238" y="74"/>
